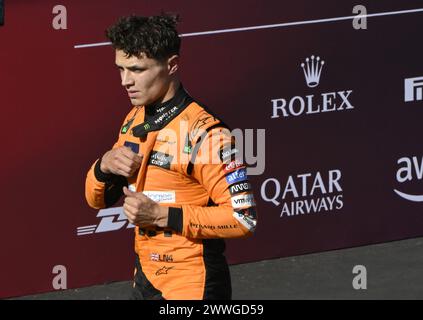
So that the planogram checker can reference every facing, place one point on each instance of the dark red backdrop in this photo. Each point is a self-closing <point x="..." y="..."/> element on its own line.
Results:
<point x="62" y="107"/>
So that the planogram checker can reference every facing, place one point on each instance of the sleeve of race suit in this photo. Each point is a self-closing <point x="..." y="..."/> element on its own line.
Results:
<point x="217" y="167"/>
<point x="104" y="190"/>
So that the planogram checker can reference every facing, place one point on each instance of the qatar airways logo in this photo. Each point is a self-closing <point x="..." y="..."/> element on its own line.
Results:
<point x="307" y="193"/>
<point x="411" y="169"/>
<point x="313" y="103"/>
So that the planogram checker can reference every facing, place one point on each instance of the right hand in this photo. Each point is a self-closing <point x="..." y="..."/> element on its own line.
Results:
<point x="120" y="161"/>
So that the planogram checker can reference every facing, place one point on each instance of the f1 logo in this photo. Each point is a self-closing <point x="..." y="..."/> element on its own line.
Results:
<point x="413" y="89"/>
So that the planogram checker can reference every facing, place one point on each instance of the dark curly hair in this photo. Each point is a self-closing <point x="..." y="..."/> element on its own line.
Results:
<point x="156" y="36"/>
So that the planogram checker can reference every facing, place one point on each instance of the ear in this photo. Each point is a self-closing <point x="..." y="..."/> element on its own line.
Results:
<point x="173" y="64"/>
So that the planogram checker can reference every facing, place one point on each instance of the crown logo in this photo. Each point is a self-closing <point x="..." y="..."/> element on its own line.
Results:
<point x="312" y="70"/>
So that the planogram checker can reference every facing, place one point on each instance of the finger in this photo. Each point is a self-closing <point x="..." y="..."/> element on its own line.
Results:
<point x="122" y="159"/>
<point x="129" y="212"/>
<point x="122" y="173"/>
<point x="128" y="192"/>
<point x="130" y="217"/>
<point x="137" y="158"/>
<point x="137" y="196"/>
<point x="129" y="154"/>
<point x="133" y="202"/>
<point x="124" y="168"/>
<point x="132" y="210"/>
<point x="124" y="163"/>
<point x="141" y="196"/>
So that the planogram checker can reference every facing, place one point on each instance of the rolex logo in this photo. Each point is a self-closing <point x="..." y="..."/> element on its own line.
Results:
<point x="312" y="69"/>
<point x="335" y="100"/>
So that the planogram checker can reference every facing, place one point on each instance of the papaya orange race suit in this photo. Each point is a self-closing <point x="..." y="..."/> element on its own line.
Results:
<point x="190" y="164"/>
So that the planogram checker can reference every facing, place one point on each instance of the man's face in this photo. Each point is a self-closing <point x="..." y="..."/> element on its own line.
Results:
<point x="146" y="80"/>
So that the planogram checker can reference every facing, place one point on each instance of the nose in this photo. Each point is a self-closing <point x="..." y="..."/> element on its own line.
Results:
<point x="127" y="80"/>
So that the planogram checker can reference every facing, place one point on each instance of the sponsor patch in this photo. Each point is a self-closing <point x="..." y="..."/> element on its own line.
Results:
<point x="200" y="123"/>
<point x="160" y="159"/>
<point x="244" y="200"/>
<point x="240" y="187"/>
<point x="161" y="196"/>
<point x="126" y="127"/>
<point x="237" y="176"/>
<point x="227" y="154"/>
<point x="188" y="145"/>
<point x="233" y="165"/>
<point x="163" y="270"/>
<point x="247" y="217"/>
<point x="135" y="147"/>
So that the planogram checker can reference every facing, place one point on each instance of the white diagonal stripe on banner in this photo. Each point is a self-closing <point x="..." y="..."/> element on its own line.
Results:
<point x="93" y="226"/>
<point x="81" y="233"/>
<point x="270" y="26"/>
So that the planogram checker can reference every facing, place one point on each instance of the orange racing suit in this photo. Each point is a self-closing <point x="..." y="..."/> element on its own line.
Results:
<point x="190" y="165"/>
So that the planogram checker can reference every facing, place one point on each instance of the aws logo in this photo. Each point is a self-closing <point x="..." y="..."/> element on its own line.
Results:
<point x="411" y="169"/>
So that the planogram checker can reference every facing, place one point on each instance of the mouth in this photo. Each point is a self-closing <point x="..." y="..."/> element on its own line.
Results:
<point x="133" y="94"/>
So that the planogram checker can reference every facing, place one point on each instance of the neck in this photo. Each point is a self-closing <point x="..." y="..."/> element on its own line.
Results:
<point x="153" y="108"/>
<point x="173" y="88"/>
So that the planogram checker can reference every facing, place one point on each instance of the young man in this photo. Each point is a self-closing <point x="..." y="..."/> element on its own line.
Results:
<point x="185" y="188"/>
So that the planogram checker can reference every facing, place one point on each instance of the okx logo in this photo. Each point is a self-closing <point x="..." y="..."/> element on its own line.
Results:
<point x="410" y="170"/>
<point x="413" y="89"/>
<point x="112" y="219"/>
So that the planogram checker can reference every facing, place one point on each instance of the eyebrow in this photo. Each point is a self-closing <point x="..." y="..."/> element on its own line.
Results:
<point x="132" y="68"/>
